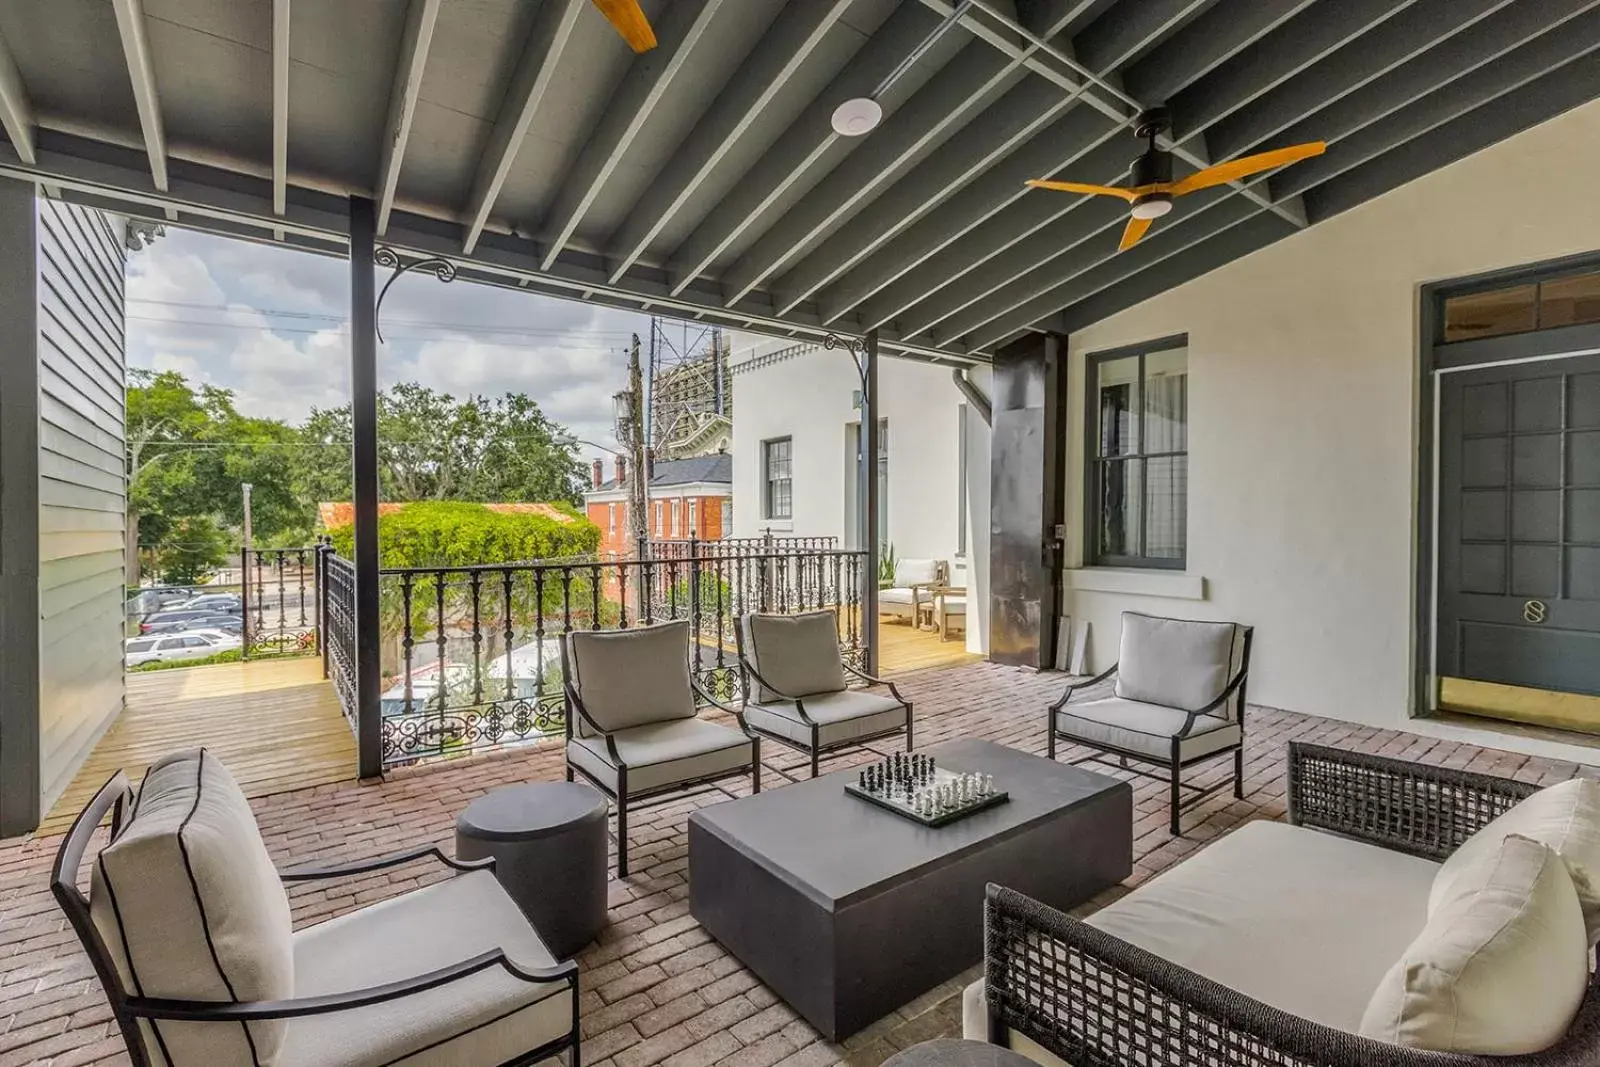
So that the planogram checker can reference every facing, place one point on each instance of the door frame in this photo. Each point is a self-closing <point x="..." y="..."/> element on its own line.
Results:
<point x="1437" y="357"/>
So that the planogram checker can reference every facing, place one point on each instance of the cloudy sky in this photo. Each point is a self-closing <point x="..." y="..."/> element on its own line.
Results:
<point x="270" y="324"/>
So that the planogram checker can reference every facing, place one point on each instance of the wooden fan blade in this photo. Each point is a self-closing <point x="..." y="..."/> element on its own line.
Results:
<point x="1079" y="187"/>
<point x="1131" y="234"/>
<point x="630" y="22"/>
<point x="1223" y="173"/>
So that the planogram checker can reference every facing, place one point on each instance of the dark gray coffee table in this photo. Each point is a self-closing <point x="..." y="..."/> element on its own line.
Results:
<point x="847" y="911"/>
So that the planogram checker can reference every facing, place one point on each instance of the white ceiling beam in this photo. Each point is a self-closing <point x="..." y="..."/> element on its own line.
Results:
<point x="421" y="17"/>
<point x="532" y="79"/>
<point x="16" y="114"/>
<point x="280" y="108"/>
<point x="627" y="114"/>
<point x="783" y="49"/>
<point x="142" y="74"/>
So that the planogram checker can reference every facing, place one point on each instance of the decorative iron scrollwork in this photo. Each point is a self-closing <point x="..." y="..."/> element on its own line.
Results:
<point x="384" y="256"/>
<point x="1535" y="611"/>
<point x="857" y="349"/>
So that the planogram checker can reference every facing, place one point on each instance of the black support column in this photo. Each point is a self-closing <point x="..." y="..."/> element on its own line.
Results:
<point x="364" y="460"/>
<point x="871" y="536"/>
<point x="1027" y="499"/>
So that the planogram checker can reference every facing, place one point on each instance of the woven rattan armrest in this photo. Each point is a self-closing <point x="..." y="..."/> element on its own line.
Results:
<point x="1095" y="1000"/>
<point x="1410" y="807"/>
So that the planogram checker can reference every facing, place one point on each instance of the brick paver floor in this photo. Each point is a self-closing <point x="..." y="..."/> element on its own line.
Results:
<point x="657" y="989"/>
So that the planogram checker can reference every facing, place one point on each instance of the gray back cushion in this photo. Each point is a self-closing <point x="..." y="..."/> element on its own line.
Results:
<point x="632" y="677"/>
<point x="1178" y="663"/>
<point x="797" y="654"/>
<point x="190" y="907"/>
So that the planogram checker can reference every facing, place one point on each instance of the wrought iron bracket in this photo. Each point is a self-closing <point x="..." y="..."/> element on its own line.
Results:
<point x="384" y="256"/>
<point x="857" y="349"/>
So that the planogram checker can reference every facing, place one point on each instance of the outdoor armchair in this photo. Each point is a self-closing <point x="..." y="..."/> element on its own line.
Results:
<point x="633" y="729"/>
<point x="914" y="585"/>
<point x="1174" y="698"/>
<point x="796" y="691"/>
<point x="187" y="924"/>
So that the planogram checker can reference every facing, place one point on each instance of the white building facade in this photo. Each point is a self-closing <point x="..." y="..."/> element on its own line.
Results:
<point x="796" y="434"/>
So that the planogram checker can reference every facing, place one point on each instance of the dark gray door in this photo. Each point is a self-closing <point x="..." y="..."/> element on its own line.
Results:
<point x="1519" y="525"/>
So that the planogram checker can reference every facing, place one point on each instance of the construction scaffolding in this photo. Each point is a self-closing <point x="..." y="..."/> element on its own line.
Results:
<point x="690" y="409"/>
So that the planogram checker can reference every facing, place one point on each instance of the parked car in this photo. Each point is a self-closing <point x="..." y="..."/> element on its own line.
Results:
<point x="194" y="644"/>
<point x="162" y="622"/>
<point x="216" y="603"/>
<point x="228" y="624"/>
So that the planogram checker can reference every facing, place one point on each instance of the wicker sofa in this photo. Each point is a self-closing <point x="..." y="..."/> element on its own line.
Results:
<point x="1263" y="948"/>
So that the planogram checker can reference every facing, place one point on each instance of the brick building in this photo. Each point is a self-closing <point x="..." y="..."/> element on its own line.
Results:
<point x="686" y="496"/>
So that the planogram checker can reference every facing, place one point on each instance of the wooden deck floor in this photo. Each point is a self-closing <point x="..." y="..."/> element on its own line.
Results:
<point x="275" y="723"/>
<point x="903" y="648"/>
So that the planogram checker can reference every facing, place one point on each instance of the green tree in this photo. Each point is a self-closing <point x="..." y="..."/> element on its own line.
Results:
<point x="195" y="548"/>
<point x="433" y="446"/>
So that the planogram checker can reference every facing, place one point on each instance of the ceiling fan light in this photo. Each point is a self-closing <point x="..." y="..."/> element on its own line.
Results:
<point x="1152" y="207"/>
<point x="857" y="116"/>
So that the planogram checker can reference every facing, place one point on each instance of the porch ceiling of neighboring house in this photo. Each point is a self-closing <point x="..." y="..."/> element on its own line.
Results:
<point x="525" y="142"/>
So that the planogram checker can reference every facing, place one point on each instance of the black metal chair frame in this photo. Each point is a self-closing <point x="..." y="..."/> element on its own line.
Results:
<point x="116" y="797"/>
<point x="621" y="798"/>
<point x="1089" y="997"/>
<point x="1171" y="770"/>
<point x="817" y="751"/>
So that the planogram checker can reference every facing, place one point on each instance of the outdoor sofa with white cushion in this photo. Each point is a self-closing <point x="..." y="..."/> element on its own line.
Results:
<point x="915" y="583"/>
<point x="187" y="925"/>
<point x="633" y="726"/>
<point x="1408" y="916"/>
<point x="796" y="693"/>
<point x="1174" y="698"/>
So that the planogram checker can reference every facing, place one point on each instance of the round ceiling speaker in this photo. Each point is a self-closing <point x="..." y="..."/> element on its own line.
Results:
<point x="857" y="116"/>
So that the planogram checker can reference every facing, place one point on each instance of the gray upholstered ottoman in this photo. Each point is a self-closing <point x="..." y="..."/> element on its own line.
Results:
<point x="548" y="840"/>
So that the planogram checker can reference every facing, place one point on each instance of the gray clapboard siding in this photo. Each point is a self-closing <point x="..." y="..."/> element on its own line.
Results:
<point x="82" y="485"/>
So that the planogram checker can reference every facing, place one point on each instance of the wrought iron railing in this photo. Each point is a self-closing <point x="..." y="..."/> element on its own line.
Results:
<point x="337" y="619"/>
<point x="471" y="655"/>
<point x="669" y="548"/>
<point x="280" y="602"/>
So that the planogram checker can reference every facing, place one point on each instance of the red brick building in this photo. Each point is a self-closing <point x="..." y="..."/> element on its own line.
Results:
<point x="686" y="496"/>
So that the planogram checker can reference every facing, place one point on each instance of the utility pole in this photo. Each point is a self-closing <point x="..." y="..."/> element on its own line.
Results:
<point x="245" y="487"/>
<point x="639" y="489"/>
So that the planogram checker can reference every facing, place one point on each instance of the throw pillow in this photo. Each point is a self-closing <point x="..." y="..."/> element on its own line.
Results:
<point x="1565" y="817"/>
<point x="1500" y="969"/>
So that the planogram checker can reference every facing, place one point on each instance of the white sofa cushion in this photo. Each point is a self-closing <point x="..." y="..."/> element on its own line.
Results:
<point x="1565" y="817"/>
<point x="798" y="655"/>
<point x="840" y="716"/>
<point x="190" y="907"/>
<point x="909" y="572"/>
<point x="1502" y="966"/>
<point x="491" y="1017"/>
<point x="902" y="598"/>
<point x="1180" y="663"/>
<point x="631" y="677"/>
<point x="1145" y="729"/>
<point x="663" y="753"/>
<point x="1301" y="920"/>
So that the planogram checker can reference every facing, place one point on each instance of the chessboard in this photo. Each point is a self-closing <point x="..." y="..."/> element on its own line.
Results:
<point x="915" y="787"/>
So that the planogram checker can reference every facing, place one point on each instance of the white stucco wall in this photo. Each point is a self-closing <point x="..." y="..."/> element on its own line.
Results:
<point x="809" y="397"/>
<point x="1303" y="423"/>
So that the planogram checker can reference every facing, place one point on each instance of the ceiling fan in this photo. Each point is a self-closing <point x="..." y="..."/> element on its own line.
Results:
<point x="1153" y="189"/>
<point x="630" y="22"/>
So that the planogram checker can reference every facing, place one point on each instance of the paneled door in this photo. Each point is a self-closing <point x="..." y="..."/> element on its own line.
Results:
<point x="1519" y="527"/>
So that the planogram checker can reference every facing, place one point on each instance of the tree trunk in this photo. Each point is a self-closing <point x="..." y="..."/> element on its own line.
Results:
<point x="130" y="551"/>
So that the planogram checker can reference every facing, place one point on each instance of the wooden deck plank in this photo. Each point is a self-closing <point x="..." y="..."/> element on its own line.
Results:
<point x="275" y="723"/>
<point x="902" y="648"/>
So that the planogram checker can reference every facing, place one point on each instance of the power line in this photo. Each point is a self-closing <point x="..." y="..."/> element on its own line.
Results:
<point x="549" y="341"/>
<point x="341" y="319"/>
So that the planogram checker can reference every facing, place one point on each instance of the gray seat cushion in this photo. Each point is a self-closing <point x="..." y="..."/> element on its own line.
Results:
<point x="190" y="907"/>
<point x="1304" y="921"/>
<point x="664" y="753"/>
<point x="490" y="1017"/>
<point x="1144" y="729"/>
<point x="839" y="716"/>
<point x="1177" y="662"/>
<point x="797" y="655"/>
<point x="632" y="677"/>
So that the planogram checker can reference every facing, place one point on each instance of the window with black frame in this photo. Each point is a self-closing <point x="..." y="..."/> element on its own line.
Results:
<point x="1138" y="462"/>
<point x="777" y="496"/>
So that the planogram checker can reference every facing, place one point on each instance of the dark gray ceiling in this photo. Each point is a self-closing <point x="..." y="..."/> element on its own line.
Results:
<point x="522" y="139"/>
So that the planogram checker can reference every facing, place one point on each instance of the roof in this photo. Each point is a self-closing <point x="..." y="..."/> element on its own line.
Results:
<point x="715" y="469"/>
<point x="332" y="514"/>
<point x="527" y="144"/>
